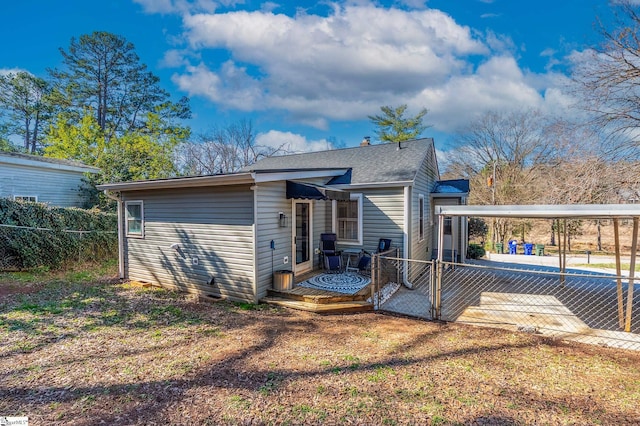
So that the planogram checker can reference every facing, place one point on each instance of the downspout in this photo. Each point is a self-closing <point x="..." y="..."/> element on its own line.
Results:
<point x="407" y="234"/>
<point x="254" y="188"/>
<point x="118" y="198"/>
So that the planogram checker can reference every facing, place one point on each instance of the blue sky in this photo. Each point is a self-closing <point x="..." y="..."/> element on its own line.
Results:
<point x="308" y="73"/>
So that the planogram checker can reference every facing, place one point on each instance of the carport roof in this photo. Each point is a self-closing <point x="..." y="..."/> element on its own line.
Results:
<point x="542" y="211"/>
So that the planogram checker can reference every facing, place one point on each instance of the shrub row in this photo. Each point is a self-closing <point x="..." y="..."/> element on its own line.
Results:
<point x="43" y="238"/>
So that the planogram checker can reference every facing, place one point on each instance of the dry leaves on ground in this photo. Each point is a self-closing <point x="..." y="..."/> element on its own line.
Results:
<point x="84" y="353"/>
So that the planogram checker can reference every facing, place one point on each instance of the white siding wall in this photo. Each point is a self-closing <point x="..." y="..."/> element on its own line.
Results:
<point x="321" y="224"/>
<point x="214" y="225"/>
<point x="383" y="214"/>
<point x="383" y="217"/>
<point x="424" y="184"/>
<point x="272" y="199"/>
<point x="57" y="187"/>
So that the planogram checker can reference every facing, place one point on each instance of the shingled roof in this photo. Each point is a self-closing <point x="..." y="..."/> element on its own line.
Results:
<point x="455" y="186"/>
<point x="38" y="160"/>
<point x="383" y="163"/>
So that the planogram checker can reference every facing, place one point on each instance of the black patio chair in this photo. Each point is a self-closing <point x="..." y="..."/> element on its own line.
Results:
<point x="331" y="257"/>
<point x="364" y="264"/>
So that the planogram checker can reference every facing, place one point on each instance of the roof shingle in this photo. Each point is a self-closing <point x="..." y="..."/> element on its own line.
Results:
<point x="383" y="163"/>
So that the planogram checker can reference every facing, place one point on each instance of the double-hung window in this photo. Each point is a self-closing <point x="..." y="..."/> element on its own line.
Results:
<point x="134" y="211"/>
<point x="347" y="220"/>
<point x="31" y="198"/>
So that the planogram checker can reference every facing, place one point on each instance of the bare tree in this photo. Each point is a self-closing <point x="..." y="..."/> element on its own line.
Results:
<point x="502" y="153"/>
<point x="223" y="150"/>
<point x="608" y="78"/>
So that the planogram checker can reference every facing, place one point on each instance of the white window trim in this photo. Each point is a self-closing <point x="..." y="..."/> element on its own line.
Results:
<point x="126" y="219"/>
<point x="421" y="204"/>
<point x="22" y="197"/>
<point x="334" y="220"/>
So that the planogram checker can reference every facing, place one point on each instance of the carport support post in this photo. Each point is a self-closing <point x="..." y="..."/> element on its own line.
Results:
<point x="375" y="284"/>
<point x="437" y="293"/>
<point x="616" y="241"/>
<point x="560" y="259"/>
<point x="632" y="272"/>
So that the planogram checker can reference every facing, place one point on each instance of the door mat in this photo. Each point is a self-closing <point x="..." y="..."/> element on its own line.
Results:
<point x="346" y="283"/>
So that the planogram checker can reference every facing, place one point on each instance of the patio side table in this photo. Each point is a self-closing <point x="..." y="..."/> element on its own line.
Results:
<point x="351" y="254"/>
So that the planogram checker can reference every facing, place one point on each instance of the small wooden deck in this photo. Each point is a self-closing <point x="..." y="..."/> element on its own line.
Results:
<point x="320" y="301"/>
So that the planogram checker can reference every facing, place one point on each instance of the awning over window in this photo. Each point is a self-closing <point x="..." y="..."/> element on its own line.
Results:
<point x="309" y="191"/>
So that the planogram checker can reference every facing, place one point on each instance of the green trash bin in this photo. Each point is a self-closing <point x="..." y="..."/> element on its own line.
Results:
<point x="499" y="248"/>
<point x="539" y="249"/>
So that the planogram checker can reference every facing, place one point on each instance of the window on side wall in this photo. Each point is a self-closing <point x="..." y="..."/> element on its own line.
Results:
<point x="421" y="216"/>
<point x="348" y="220"/>
<point x="447" y="226"/>
<point x="135" y="218"/>
<point x="31" y="198"/>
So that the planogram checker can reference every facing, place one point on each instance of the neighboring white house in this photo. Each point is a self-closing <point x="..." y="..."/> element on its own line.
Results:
<point x="224" y="235"/>
<point x="42" y="179"/>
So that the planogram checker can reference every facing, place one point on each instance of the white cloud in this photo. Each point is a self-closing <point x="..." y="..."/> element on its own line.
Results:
<point x="498" y="84"/>
<point x="175" y="58"/>
<point x="345" y="65"/>
<point x="183" y="6"/>
<point x="157" y="6"/>
<point x="290" y="142"/>
<point x="317" y="67"/>
<point x="416" y="4"/>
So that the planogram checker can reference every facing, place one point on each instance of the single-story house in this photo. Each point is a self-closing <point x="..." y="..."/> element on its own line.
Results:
<point x="225" y="235"/>
<point x="46" y="180"/>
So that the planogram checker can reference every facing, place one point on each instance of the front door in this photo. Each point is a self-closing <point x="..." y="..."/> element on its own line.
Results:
<point x="302" y="236"/>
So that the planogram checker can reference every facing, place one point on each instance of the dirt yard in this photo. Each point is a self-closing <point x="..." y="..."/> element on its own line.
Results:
<point x="83" y="351"/>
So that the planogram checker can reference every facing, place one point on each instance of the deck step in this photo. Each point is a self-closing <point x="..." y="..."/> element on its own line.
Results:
<point x="318" y="298"/>
<point x="320" y="308"/>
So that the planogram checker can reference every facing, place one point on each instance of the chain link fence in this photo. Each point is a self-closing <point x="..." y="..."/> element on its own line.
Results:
<point x="589" y="307"/>
<point x="23" y="247"/>
<point x="404" y="286"/>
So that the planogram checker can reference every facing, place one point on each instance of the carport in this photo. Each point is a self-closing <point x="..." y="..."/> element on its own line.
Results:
<point x="560" y="213"/>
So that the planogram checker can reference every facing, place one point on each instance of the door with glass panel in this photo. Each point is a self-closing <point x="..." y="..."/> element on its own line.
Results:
<point x="302" y="236"/>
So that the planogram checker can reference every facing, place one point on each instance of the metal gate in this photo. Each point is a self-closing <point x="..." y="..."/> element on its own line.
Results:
<point x="584" y="306"/>
<point x="403" y="286"/>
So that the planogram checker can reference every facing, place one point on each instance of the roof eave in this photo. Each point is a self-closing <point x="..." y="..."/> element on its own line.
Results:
<point x="395" y="184"/>
<point x="290" y="174"/>
<point x="28" y="162"/>
<point x="554" y="211"/>
<point x="187" y="182"/>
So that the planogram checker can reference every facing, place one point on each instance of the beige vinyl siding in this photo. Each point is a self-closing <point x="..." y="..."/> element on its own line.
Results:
<point x="57" y="187"/>
<point x="424" y="183"/>
<point x="383" y="212"/>
<point x="272" y="199"/>
<point x="214" y="225"/>
<point x="321" y="224"/>
<point x="383" y="217"/>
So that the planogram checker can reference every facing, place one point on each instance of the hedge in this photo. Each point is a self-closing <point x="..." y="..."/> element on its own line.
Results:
<point x="36" y="235"/>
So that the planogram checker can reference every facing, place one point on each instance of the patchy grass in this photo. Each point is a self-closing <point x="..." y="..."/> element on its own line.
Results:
<point x="623" y="266"/>
<point x="84" y="351"/>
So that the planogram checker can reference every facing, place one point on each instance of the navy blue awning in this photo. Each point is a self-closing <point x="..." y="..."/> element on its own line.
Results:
<point x="309" y="191"/>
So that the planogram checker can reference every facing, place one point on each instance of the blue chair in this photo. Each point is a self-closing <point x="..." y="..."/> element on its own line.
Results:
<point x="364" y="264"/>
<point x="331" y="257"/>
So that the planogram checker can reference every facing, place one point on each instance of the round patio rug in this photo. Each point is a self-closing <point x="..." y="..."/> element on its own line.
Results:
<point x="347" y="283"/>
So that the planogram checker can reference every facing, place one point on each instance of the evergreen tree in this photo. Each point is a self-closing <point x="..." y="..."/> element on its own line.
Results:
<point x="103" y="73"/>
<point x="25" y="101"/>
<point x="394" y="127"/>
